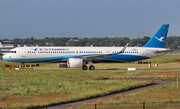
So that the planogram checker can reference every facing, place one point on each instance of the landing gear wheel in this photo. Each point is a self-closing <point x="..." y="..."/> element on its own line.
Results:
<point x="84" y="67"/>
<point x="23" y="64"/>
<point x="91" y="67"/>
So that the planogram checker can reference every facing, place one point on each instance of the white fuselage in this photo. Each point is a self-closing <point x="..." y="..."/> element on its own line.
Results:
<point x="61" y="54"/>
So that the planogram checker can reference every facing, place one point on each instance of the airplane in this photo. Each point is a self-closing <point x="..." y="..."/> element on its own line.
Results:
<point x="79" y="57"/>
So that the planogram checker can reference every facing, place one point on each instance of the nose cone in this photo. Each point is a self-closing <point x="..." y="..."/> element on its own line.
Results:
<point x="4" y="57"/>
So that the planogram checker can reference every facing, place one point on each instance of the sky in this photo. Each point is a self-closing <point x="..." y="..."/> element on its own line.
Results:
<point x="87" y="18"/>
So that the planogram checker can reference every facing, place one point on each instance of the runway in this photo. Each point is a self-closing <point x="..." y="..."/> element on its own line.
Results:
<point x="3" y="61"/>
<point x="136" y="69"/>
<point x="156" y="84"/>
<point x="173" y="54"/>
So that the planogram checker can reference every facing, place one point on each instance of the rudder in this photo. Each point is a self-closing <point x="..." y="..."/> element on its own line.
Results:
<point x="159" y="39"/>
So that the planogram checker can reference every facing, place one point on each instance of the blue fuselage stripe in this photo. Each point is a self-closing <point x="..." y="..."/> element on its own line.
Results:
<point x="114" y="58"/>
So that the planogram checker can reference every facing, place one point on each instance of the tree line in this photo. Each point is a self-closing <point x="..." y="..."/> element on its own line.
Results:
<point x="172" y="42"/>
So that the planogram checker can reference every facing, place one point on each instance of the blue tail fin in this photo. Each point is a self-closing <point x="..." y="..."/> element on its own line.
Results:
<point x="159" y="39"/>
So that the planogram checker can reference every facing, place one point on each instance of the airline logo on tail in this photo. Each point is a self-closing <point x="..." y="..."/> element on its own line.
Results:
<point x="160" y="39"/>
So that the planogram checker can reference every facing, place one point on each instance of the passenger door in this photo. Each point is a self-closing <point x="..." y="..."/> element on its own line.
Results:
<point x="23" y="52"/>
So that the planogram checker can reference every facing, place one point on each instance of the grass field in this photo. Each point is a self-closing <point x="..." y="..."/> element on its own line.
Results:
<point x="164" y="59"/>
<point x="176" y="51"/>
<point x="166" y="97"/>
<point x="77" y="74"/>
<point x="49" y="84"/>
<point x="38" y="88"/>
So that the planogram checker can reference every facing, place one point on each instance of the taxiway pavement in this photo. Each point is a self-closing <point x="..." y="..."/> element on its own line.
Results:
<point x="156" y="84"/>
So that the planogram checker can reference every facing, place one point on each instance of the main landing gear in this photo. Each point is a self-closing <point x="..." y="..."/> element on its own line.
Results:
<point x="84" y="67"/>
<point x="91" y="67"/>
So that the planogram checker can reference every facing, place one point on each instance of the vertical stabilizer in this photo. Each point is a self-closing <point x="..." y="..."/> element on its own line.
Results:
<point x="159" y="39"/>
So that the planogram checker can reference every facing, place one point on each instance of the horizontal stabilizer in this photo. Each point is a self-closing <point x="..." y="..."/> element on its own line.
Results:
<point x="164" y="51"/>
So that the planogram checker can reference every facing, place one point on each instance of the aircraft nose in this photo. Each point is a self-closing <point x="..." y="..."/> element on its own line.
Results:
<point x="4" y="57"/>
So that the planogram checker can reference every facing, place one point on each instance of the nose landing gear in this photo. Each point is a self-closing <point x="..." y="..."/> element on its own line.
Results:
<point x="23" y="64"/>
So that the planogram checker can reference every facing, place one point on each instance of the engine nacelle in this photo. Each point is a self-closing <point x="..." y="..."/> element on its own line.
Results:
<point x="74" y="63"/>
<point x="62" y="65"/>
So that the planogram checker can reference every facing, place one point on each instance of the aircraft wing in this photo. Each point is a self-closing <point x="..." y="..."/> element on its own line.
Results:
<point x="164" y="51"/>
<point x="103" y="55"/>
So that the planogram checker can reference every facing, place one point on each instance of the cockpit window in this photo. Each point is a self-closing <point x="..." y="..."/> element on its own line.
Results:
<point x="12" y="51"/>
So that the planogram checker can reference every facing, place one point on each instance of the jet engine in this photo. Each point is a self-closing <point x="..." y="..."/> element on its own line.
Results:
<point x="62" y="65"/>
<point x="74" y="63"/>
